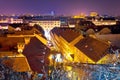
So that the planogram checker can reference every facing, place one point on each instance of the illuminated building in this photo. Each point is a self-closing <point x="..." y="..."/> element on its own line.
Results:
<point x="63" y="39"/>
<point x="92" y="50"/>
<point x="3" y="21"/>
<point x="77" y="48"/>
<point x="9" y="49"/>
<point x="93" y="14"/>
<point x="3" y="26"/>
<point x="81" y="15"/>
<point x="73" y="21"/>
<point x="29" y="47"/>
<point x="105" y="21"/>
<point x="20" y="47"/>
<point x="47" y="25"/>
<point x="11" y="20"/>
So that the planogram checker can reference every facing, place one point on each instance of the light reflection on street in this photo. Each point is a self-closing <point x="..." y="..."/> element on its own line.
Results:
<point x="87" y="72"/>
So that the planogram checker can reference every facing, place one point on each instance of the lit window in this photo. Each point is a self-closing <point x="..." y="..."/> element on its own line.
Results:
<point x="86" y="46"/>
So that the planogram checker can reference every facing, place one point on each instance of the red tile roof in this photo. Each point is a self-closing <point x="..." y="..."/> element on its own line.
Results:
<point x="68" y="34"/>
<point x="34" y="52"/>
<point x="93" y="48"/>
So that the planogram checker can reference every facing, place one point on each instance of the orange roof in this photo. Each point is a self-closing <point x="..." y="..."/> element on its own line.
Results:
<point x="18" y="64"/>
<point x="67" y="33"/>
<point x="7" y="53"/>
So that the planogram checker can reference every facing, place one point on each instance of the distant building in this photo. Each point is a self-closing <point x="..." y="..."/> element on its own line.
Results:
<point x="84" y="25"/>
<point x="4" y="26"/>
<point x="73" y="21"/>
<point x="105" y="21"/>
<point x="47" y="25"/>
<point x="81" y="15"/>
<point x="11" y="20"/>
<point x="3" y="20"/>
<point x="93" y="14"/>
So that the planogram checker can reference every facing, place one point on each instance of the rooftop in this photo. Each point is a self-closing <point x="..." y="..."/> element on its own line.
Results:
<point x="37" y="54"/>
<point x="18" y="64"/>
<point x="92" y="48"/>
<point x="67" y="33"/>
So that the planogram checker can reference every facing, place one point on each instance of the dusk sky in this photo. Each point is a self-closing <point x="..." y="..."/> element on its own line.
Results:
<point x="65" y="7"/>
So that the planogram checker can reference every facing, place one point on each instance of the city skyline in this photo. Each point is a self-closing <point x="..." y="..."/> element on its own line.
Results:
<point x="60" y="7"/>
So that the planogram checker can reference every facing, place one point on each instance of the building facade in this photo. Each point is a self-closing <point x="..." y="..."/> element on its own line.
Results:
<point x="76" y="48"/>
<point x="46" y="24"/>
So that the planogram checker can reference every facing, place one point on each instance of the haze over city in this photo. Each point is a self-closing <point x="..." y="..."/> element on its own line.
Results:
<point x="60" y="7"/>
<point x="59" y="40"/>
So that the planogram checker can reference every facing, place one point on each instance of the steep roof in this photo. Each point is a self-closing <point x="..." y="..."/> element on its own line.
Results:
<point x="20" y="64"/>
<point x="92" y="48"/>
<point x="36" y="52"/>
<point x="67" y="33"/>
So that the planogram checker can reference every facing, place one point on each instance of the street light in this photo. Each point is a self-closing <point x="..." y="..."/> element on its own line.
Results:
<point x="51" y="58"/>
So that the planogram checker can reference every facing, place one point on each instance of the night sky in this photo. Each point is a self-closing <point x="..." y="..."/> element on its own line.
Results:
<point x="60" y="7"/>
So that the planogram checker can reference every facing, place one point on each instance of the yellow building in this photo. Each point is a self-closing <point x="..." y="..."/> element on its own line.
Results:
<point x="81" y="15"/>
<point x="76" y="48"/>
<point x="91" y="50"/>
<point x="104" y="22"/>
<point x="47" y="25"/>
<point x="26" y="50"/>
<point x="62" y="39"/>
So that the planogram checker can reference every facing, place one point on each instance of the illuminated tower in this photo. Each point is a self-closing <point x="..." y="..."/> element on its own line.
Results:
<point x="52" y="13"/>
<point x="20" y="47"/>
